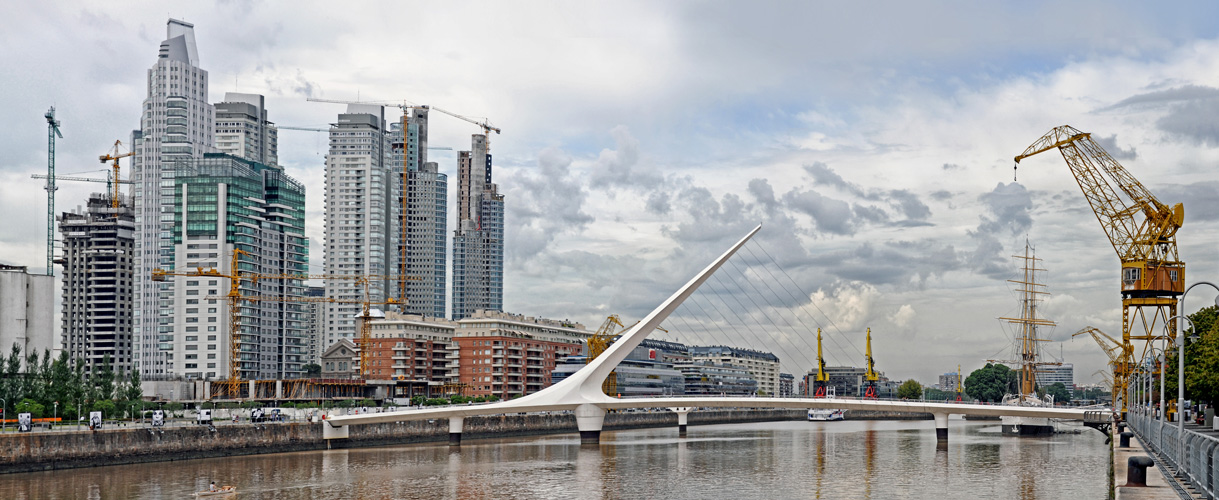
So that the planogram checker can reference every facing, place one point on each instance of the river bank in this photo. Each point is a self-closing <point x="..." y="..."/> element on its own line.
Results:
<point x="37" y="451"/>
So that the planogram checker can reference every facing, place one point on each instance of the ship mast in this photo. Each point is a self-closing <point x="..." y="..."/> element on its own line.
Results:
<point x="1032" y="294"/>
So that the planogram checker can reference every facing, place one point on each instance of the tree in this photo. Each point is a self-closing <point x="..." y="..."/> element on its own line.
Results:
<point x="910" y="389"/>
<point x="312" y="370"/>
<point x="991" y="382"/>
<point x="1201" y="358"/>
<point x="134" y="391"/>
<point x="1059" y="391"/>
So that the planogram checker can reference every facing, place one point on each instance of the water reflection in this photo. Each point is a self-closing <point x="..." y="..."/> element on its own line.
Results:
<point x="768" y="460"/>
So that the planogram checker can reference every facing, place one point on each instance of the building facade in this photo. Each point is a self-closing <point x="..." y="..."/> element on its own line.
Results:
<point x="510" y="355"/>
<point x="243" y="130"/>
<point x="97" y="288"/>
<point x="949" y="381"/>
<point x="416" y="352"/>
<point x="176" y="123"/>
<point x="221" y="204"/>
<point x="787" y="385"/>
<point x="358" y="217"/>
<point x="762" y="366"/>
<point x="315" y="313"/>
<point x="27" y="311"/>
<point x="1051" y="374"/>
<point x="706" y="378"/>
<point x="340" y="360"/>
<point x="420" y="219"/>
<point x="478" y="240"/>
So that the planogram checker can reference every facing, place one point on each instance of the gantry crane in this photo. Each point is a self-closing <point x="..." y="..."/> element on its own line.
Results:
<point x="52" y="132"/>
<point x="114" y="176"/>
<point x="1142" y="231"/>
<point x="870" y="376"/>
<point x="822" y="381"/>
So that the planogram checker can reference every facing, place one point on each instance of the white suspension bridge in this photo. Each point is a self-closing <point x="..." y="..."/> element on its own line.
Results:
<point x="582" y="393"/>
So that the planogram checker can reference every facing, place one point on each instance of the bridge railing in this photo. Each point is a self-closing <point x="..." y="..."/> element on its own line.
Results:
<point x="1192" y="454"/>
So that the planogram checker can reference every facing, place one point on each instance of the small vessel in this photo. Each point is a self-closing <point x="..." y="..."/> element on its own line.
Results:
<point x="1028" y="360"/>
<point x="222" y="492"/>
<point x="825" y="415"/>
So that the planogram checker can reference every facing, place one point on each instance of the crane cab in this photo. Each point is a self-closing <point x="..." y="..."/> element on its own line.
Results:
<point x="1148" y="279"/>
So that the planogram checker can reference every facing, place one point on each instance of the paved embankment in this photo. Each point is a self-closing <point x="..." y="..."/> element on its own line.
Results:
<point x="63" y="450"/>
<point x="885" y="415"/>
<point x="1158" y="486"/>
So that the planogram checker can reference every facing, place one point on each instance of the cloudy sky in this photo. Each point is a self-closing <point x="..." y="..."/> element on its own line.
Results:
<point x="873" y="142"/>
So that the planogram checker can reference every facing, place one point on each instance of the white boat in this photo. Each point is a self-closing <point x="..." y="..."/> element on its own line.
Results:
<point x="825" y="415"/>
<point x="223" y="492"/>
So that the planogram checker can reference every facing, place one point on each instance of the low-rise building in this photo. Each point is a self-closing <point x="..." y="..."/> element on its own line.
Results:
<point x="340" y="360"/>
<point x="787" y="384"/>
<point x="509" y="355"/>
<point x="635" y="377"/>
<point x="416" y="352"/>
<point x="762" y="366"/>
<point x="705" y="378"/>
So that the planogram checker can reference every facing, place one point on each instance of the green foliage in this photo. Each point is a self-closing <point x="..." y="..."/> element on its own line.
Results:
<point x="991" y="382"/>
<point x="1201" y="358"/>
<point x="1059" y="391"/>
<point x="106" y="406"/>
<point x="34" y="408"/>
<point x="312" y="370"/>
<point x="910" y="389"/>
<point x="417" y="400"/>
<point x="436" y="402"/>
<point x="174" y="406"/>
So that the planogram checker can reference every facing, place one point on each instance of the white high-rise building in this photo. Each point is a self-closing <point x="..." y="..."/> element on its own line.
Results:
<point x="242" y="128"/>
<point x="358" y="216"/>
<point x="176" y="123"/>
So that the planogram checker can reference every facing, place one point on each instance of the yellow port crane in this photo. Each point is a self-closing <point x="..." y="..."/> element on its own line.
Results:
<point x="114" y="176"/>
<point x="870" y="375"/>
<point x="821" y="381"/>
<point x="1142" y="231"/>
<point x="598" y="343"/>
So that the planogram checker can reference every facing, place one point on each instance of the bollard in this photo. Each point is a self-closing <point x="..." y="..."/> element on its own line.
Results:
<point x="1125" y="441"/>
<point x="1136" y="470"/>
<point x="1121" y="427"/>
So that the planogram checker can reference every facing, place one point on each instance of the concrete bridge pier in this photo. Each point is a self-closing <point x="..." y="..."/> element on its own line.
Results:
<point x="589" y="419"/>
<point x="941" y="430"/>
<point x="455" y="424"/>
<point x="683" y="417"/>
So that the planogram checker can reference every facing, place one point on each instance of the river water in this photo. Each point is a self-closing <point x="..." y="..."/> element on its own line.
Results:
<point x="775" y="460"/>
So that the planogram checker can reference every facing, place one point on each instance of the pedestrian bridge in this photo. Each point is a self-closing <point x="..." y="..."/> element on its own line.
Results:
<point x="581" y="392"/>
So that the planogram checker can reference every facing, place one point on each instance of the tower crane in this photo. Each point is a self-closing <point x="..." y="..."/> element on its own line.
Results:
<point x="52" y="132"/>
<point x="1142" y="231"/>
<point x="960" y="383"/>
<point x="485" y="124"/>
<point x="820" y="383"/>
<point x="114" y="177"/>
<point x="73" y="178"/>
<point x="870" y="375"/>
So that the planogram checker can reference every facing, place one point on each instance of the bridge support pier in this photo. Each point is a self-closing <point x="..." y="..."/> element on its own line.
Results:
<point x="455" y="424"/>
<point x="589" y="419"/>
<point x="941" y="429"/>
<point x="331" y="432"/>
<point x="683" y="417"/>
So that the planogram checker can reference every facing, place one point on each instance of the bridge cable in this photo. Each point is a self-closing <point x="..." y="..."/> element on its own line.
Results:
<point x="747" y="324"/>
<point x="792" y="329"/>
<point x="758" y="308"/>
<point x="814" y="304"/>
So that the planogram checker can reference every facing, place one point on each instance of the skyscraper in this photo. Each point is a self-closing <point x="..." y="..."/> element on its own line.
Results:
<point x="358" y="216"/>
<point x="222" y="203"/>
<point x="242" y="128"/>
<point x="420" y="239"/>
<point x="97" y="283"/>
<point x="478" y="240"/>
<point x="175" y="124"/>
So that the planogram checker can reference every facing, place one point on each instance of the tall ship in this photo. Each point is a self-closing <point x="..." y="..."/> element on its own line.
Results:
<point x="1027" y="362"/>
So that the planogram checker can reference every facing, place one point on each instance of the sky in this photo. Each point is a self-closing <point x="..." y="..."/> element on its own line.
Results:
<point x="873" y="142"/>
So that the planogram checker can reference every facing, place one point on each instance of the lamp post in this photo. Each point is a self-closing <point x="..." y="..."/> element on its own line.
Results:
<point x="55" y="415"/>
<point x="1181" y="364"/>
<point x="78" y="403"/>
<point x="3" y="417"/>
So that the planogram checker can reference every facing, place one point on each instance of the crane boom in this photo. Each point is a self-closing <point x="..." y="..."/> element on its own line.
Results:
<point x="114" y="179"/>
<point x="71" y="178"/>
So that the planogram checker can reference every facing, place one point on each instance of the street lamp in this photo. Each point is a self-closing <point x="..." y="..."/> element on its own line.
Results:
<point x="55" y="415"/>
<point x="3" y="417"/>
<point x="1181" y="364"/>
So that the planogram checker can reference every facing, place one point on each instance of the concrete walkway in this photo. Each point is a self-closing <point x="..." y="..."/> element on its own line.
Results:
<point x="1158" y="486"/>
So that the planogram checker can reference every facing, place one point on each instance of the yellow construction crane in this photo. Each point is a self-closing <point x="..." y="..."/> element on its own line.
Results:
<point x="598" y="343"/>
<point x="960" y="383"/>
<point x="114" y="176"/>
<point x="870" y="390"/>
<point x="821" y="382"/>
<point x="1142" y="231"/>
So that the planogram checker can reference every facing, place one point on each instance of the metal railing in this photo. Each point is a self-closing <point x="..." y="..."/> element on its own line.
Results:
<point x="1190" y="454"/>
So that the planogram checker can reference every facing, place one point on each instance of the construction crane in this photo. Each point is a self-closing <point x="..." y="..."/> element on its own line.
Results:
<point x="870" y="375"/>
<point x="52" y="132"/>
<point x="71" y="178"/>
<point x="485" y="124"/>
<point x="234" y="297"/>
<point x="114" y="176"/>
<point x="310" y="129"/>
<point x="598" y="343"/>
<point x="1142" y="231"/>
<point x="821" y="382"/>
<point x="960" y="383"/>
